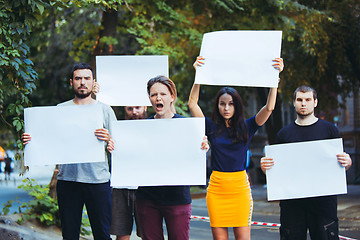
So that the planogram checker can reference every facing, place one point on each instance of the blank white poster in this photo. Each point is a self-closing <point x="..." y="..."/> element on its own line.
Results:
<point x="240" y="58"/>
<point x="63" y="134"/>
<point x="305" y="169"/>
<point x="123" y="79"/>
<point x="157" y="152"/>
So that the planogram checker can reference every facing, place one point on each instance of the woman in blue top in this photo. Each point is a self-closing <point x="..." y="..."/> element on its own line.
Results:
<point x="229" y="199"/>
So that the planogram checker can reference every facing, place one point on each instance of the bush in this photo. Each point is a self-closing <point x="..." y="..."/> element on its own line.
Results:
<point x="42" y="207"/>
<point x="7" y="206"/>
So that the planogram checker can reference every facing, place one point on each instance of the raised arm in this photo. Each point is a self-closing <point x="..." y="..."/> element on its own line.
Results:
<point x="194" y="94"/>
<point x="263" y="115"/>
<point x="193" y="101"/>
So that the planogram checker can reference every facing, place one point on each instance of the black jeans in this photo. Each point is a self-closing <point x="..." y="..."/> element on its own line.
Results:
<point x="72" y="196"/>
<point x="317" y="214"/>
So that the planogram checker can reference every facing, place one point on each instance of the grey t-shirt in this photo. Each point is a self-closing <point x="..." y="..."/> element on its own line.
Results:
<point x="97" y="172"/>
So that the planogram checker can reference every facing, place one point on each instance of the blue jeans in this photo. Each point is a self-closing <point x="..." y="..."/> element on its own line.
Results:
<point x="71" y="199"/>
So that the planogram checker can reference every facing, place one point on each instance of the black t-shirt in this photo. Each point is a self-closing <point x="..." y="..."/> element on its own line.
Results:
<point x="319" y="130"/>
<point x="166" y="195"/>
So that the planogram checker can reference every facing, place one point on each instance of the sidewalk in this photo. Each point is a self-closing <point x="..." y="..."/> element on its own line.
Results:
<point x="348" y="208"/>
<point x="348" y="205"/>
<point x="41" y="174"/>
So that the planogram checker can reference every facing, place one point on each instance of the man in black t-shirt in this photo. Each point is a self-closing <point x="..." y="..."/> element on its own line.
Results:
<point x="318" y="214"/>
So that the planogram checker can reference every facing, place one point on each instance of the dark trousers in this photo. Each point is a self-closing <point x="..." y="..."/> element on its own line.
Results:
<point x="71" y="199"/>
<point x="151" y="216"/>
<point x="318" y="215"/>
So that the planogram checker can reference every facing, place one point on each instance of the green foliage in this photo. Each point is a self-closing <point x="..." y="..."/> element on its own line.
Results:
<point x="42" y="207"/>
<point x="85" y="224"/>
<point x="320" y="43"/>
<point x="28" y="30"/>
<point x="197" y="189"/>
<point x="17" y="76"/>
<point x="182" y="108"/>
<point x="7" y="206"/>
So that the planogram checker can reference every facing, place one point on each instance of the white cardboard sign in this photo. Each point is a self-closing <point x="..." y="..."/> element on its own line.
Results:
<point x="155" y="152"/>
<point x="63" y="134"/>
<point x="305" y="169"/>
<point x="123" y="79"/>
<point x="240" y="58"/>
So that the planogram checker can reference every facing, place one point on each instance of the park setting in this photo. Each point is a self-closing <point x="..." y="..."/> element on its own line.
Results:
<point x="277" y="115"/>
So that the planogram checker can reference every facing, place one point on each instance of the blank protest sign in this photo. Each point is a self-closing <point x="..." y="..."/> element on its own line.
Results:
<point x="63" y="134"/>
<point x="240" y="58"/>
<point x="305" y="169"/>
<point x="123" y="79"/>
<point x="157" y="152"/>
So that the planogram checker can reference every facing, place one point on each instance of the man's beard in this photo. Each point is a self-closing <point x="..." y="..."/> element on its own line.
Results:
<point x="141" y="116"/>
<point x="82" y="95"/>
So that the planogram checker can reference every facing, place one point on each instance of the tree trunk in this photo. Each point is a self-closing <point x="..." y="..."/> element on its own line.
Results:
<point x="52" y="184"/>
<point x="108" y="29"/>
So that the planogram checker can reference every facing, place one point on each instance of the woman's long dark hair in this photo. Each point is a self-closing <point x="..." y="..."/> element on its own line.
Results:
<point x="237" y="126"/>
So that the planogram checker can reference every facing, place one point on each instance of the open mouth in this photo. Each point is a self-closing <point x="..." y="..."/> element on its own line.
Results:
<point x="159" y="107"/>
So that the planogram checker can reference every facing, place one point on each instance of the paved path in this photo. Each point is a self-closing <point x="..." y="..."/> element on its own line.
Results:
<point x="264" y="211"/>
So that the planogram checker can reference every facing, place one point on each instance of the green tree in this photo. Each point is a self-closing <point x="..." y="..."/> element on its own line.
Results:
<point x="320" y="44"/>
<point x="29" y="33"/>
<point x="17" y="75"/>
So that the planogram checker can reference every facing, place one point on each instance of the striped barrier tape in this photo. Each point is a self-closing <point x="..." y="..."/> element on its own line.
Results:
<point x="200" y="218"/>
<point x="266" y="224"/>
<point x="346" y="238"/>
<point x="207" y="219"/>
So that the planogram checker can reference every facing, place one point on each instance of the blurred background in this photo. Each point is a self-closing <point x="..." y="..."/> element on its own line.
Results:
<point x="41" y="40"/>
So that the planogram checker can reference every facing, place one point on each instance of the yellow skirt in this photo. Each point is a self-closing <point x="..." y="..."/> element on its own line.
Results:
<point x="229" y="199"/>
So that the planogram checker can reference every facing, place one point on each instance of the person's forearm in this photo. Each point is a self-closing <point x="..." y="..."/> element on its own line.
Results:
<point x="271" y="100"/>
<point x="193" y="101"/>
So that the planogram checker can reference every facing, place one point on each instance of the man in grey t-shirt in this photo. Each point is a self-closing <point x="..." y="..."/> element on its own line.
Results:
<point x="85" y="183"/>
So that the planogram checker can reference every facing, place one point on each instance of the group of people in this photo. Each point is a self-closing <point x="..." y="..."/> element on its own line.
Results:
<point x="229" y="198"/>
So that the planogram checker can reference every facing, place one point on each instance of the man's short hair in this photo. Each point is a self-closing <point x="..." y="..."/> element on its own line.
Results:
<point x="304" y="89"/>
<point x="78" y="66"/>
